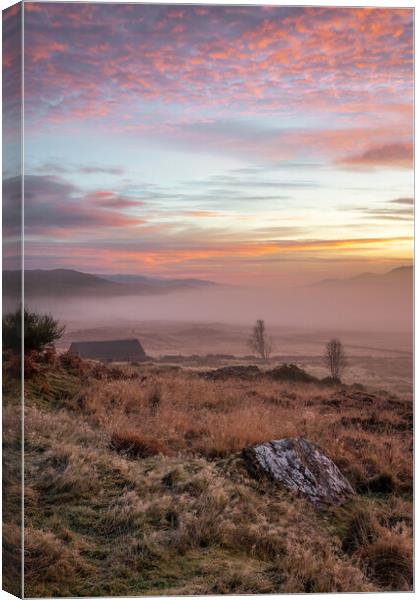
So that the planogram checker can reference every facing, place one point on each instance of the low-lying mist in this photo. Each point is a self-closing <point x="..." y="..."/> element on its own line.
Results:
<point x="385" y="310"/>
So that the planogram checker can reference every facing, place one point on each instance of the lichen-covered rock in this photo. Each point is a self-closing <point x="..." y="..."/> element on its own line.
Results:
<point x="301" y="467"/>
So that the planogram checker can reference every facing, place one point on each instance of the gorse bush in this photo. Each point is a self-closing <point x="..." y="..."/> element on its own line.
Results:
<point x="39" y="331"/>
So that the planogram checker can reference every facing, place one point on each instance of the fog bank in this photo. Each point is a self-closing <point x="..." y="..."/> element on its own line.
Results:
<point x="350" y="308"/>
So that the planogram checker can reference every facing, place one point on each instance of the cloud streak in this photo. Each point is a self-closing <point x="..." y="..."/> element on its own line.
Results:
<point x="54" y="206"/>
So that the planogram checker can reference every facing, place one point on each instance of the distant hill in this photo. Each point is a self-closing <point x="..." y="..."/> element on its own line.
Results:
<point x="68" y="282"/>
<point x="366" y="300"/>
<point x="399" y="276"/>
<point x="159" y="281"/>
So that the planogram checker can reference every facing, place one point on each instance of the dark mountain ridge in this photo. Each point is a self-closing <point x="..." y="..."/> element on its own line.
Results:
<point x="160" y="281"/>
<point x="69" y="282"/>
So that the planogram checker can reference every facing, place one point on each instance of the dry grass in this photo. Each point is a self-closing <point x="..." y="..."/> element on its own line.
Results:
<point x="216" y="419"/>
<point x="12" y="493"/>
<point x="135" y="445"/>
<point x="51" y="563"/>
<point x="389" y="562"/>
<point x="135" y="485"/>
<point x="193" y="414"/>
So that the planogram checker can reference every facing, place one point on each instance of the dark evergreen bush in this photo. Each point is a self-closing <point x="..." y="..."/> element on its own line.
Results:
<point x="39" y="330"/>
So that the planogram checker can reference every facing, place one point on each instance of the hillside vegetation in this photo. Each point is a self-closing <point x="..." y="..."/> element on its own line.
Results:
<point x="135" y="483"/>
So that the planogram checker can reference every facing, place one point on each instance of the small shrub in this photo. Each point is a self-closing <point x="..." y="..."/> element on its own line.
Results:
<point x="39" y="331"/>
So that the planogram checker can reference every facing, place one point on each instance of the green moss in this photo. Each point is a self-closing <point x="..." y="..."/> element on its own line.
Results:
<point x="52" y="389"/>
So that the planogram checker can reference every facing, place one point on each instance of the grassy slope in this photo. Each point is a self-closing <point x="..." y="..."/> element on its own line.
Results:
<point x="177" y="512"/>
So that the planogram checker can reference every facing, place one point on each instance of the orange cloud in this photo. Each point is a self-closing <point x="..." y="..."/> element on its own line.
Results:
<point x="172" y="256"/>
<point x="203" y="214"/>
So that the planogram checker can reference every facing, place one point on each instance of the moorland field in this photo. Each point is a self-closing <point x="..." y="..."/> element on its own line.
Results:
<point x="135" y="481"/>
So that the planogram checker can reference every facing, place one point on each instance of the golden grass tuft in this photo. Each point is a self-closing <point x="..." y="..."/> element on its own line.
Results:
<point x="389" y="562"/>
<point x="134" y="444"/>
<point x="51" y="565"/>
<point x="361" y="530"/>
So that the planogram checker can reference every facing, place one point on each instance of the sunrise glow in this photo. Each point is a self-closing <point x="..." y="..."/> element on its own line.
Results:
<point x="231" y="143"/>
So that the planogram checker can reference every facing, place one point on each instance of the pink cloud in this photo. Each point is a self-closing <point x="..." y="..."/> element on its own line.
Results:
<point x="113" y="200"/>
<point x="223" y="58"/>
<point x="387" y="155"/>
<point x="45" y="52"/>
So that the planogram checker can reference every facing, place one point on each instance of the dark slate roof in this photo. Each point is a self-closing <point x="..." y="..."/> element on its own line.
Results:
<point x="123" y="350"/>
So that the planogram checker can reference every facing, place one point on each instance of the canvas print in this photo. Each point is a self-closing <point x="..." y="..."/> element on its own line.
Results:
<point x="207" y="299"/>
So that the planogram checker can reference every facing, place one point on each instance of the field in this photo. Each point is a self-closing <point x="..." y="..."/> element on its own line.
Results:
<point x="383" y="360"/>
<point x="136" y="484"/>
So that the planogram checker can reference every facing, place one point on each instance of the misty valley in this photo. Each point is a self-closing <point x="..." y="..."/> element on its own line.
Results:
<point x="175" y="388"/>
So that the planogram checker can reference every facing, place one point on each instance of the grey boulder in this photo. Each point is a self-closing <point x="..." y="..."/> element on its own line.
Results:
<point x="301" y="467"/>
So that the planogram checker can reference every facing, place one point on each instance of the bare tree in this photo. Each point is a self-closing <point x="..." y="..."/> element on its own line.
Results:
<point x="259" y="340"/>
<point x="334" y="358"/>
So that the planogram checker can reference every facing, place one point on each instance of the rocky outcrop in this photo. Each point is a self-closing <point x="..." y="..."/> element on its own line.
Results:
<point x="301" y="467"/>
<point x="291" y="372"/>
<point x="249" y="373"/>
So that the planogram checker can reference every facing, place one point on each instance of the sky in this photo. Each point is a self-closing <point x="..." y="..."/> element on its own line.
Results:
<point x="245" y="145"/>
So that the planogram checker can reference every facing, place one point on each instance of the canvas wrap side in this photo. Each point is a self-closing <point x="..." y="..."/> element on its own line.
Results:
<point x="12" y="210"/>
